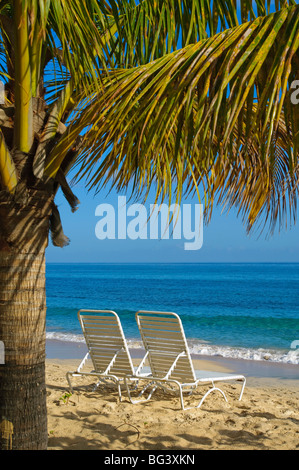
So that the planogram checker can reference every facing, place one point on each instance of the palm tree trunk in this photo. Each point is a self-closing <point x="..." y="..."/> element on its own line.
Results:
<point x="24" y="228"/>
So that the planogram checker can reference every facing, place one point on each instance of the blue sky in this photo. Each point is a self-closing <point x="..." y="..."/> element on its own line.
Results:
<point x="224" y="239"/>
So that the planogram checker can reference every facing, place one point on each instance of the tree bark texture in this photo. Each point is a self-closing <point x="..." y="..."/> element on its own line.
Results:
<point x="24" y="229"/>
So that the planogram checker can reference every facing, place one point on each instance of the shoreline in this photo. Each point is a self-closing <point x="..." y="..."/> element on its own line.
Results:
<point x="71" y="351"/>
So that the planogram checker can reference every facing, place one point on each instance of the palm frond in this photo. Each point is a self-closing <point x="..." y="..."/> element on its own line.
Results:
<point x="151" y="28"/>
<point x="208" y="114"/>
<point x="185" y="95"/>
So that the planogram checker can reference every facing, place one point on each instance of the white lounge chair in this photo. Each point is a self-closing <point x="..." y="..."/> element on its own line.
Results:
<point x="107" y="348"/>
<point x="169" y="358"/>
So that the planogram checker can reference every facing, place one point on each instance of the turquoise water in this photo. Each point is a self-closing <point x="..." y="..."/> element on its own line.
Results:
<point x="248" y="311"/>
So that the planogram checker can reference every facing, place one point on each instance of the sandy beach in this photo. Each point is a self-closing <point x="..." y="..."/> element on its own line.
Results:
<point x="267" y="418"/>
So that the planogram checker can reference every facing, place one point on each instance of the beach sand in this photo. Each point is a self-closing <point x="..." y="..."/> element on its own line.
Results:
<point x="267" y="418"/>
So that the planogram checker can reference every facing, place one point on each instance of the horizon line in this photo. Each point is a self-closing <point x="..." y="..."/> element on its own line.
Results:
<point x="172" y="262"/>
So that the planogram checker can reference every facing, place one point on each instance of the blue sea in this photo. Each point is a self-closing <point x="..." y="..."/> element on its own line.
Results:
<point x="246" y="311"/>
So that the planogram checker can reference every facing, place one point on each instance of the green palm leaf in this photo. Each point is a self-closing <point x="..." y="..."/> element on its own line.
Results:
<point x="155" y="123"/>
<point x="166" y="89"/>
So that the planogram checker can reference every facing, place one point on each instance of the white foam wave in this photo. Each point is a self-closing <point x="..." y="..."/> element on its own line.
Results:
<point x="68" y="337"/>
<point x="205" y="349"/>
<point x="260" y="354"/>
<point x="74" y="338"/>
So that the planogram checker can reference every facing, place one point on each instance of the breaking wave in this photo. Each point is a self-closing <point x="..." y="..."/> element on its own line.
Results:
<point x="202" y="348"/>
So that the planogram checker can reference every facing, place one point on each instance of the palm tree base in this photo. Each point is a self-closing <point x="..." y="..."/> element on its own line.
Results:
<point x="23" y="423"/>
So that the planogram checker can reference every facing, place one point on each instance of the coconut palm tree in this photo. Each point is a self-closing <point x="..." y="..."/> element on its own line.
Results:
<point x="216" y="113"/>
<point x="185" y="95"/>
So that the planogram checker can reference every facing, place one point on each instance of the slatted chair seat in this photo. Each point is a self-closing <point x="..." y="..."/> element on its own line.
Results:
<point x="107" y="349"/>
<point x="169" y="358"/>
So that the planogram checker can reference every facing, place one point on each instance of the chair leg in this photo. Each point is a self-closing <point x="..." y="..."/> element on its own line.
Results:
<point x="119" y="391"/>
<point x="96" y="386"/>
<point x="128" y="391"/>
<point x="134" y="401"/>
<point x="69" y="381"/>
<point x="219" y="390"/>
<point x="181" y="398"/>
<point x="242" y="390"/>
<point x="116" y="382"/>
<point x="208" y="393"/>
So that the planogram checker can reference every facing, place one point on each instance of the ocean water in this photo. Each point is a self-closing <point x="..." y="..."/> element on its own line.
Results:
<point x="246" y="311"/>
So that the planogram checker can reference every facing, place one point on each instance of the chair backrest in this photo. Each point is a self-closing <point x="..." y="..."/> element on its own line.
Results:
<point x="164" y="339"/>
<point x="104" y="337"/>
